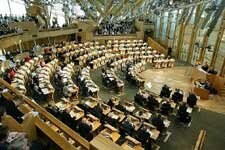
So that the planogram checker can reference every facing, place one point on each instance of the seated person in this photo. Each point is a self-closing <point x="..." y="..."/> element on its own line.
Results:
<point x="12" y="74"/>
<point x="141" y="97"/>
<point x="103" y="70"/>
<point x="165" y="92"/>
<point x="53" y="110"/>
<point x="110" y="103"/>
<point x="11" y="108"/>
<point x="84" y="128"/>
<point x="127" y="127"/>
<point x="143" y="135"/>
<point x="158" y="123"/>
<point x="27" y="58"/>
<point x="212" y="71"/>
<point x="192" y="100"/>
<point x="97" y="111"/>
<point x="205" y="67"/>
<point x="152" y="103"/>
<point x="121" y="108"/>
<point x="66" y="118"/>
<point x="166" y="108"/>
<point x="208" y="86"/>
<point x="128" y="66"/>
<point x="177" y="96"/>
<point x="182" y="109"/>
<point x="185" y="117"/>
<point x="113" y="121"/>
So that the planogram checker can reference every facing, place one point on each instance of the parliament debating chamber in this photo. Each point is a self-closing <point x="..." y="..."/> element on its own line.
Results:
<point x="112" y="75"/>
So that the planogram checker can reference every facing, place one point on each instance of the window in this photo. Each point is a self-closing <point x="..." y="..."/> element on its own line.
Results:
<point x="17" y="7"/>
<point x="4" y="7"/>
<point x="56" y="12"/>
<point x="165" y="22"/>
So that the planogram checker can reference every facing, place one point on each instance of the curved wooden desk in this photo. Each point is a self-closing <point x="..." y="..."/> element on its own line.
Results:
<point x="203" y="93"/>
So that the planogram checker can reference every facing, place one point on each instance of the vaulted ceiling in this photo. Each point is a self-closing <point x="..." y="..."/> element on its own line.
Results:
<point x="120" y="10"/>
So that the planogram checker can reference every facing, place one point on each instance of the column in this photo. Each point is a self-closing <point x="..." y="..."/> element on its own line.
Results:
<point x="194" y="33"/>
<point x="161" y="28"/>
<point x="180" y="39"/>
<point x="168" y="29"/>
<point x="174" y="35"/>
<point x="202" y="52"/>
<point x="218" y="41"/>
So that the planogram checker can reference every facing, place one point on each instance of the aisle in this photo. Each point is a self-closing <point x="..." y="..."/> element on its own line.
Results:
<point x="106" y="93"/>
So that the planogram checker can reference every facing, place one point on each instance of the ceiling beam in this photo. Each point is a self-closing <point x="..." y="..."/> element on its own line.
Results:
<point x="87" y="11"/>
<point x="109" y="8"/>
<point x="125" y="5"/>
<point x="98" y="7"/>
<point x="137" y="4"/>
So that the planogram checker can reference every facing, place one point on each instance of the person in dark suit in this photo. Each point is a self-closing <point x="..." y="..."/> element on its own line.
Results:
<point x="140" y="98"/>
<point x="166" y="108"/>
<point x="192" y="100"/>
<point x="53" y="110"/>
<point x="212" y="71"/>
<point x="66" y="118"/>
<point x="178" y="96"/>
<point x="158" y="122"/>
<point x="152" y="103"/>
<point x="112" y="121"/>
<point x="143" y="135"/>
<point x="145" y="138"/>
<point x="183" y="115"/>
<point x="85" y="130"/>
<point x="185" y="118"/>
<point x="110" y="103"/>
<point x="165" y="91"/>
<point x="205" y="67"/>
<point x="121" y="108"/>
<point x="182" y="109"/>
<point x="127" y="127"/>
<point x="97" y="112"/>
<point x="11" y="109"/>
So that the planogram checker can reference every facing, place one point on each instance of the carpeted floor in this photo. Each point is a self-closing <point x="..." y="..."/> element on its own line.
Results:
<point x="182" y="138"/>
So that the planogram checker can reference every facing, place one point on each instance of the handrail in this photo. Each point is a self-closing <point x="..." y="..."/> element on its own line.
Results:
<point x="58" y="139"/>
<point x="75" y="136"/>
<point x="41" y="30"/>
<point x="129" y="34"/>
<point x="56" y="29"/>
<point x="10" y="35"/>
<point x="200" y="141"/>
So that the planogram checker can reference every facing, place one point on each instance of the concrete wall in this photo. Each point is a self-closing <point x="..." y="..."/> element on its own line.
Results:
<point x="12" y="40"/>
